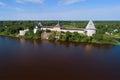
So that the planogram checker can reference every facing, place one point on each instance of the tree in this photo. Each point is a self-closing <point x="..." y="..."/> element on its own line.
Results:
<point x="97" y="37"/>
<point x="29" y="35"/>
<point x="37" y="35"/>
<point x="52" y="36"/>
<point x="108" y="39"/>
<point x="67" y="36"/>
<point x="2" y="29"/>
<point x="86" y="39"/>
<point x="75" y="37"/>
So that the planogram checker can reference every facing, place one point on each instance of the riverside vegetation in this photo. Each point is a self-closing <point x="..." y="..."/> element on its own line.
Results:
<point x="108" y="32"/>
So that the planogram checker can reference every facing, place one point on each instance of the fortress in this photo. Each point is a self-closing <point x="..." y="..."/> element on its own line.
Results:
<point x="89" y="30"/>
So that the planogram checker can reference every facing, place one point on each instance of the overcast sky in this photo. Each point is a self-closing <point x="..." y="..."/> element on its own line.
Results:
<point x="59" y="9"/>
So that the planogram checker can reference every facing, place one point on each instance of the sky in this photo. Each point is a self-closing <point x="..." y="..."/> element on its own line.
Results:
<point x="59" y="9"/>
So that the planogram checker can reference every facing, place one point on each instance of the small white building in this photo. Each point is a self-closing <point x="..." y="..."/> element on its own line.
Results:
<point x="116" y="30"/>
<point x="23" y="32"/>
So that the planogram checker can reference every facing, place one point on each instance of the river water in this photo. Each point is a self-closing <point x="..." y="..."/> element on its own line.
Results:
<point x="43" y="60"/>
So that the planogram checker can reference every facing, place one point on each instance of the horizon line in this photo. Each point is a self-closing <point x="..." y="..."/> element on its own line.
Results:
<point x="63" y="20"/>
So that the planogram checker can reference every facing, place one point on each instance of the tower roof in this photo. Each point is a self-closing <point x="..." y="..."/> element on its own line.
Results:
<point x="40" y="24"/>
<point x="90" y="25"/>
<point x="58" y="25"/>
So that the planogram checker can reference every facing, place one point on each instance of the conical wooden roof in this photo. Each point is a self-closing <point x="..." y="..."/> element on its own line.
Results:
<point x="40" y="24"/>
<point x="58" y="25"/>
<point x="90" y="26"/>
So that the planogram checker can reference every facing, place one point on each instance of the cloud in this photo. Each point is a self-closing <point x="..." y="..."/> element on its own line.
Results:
<point x="2" y="4"/>
<point x="69" y="2"/>
<point x="106" y="13"/>
<point x="31" y="1"/>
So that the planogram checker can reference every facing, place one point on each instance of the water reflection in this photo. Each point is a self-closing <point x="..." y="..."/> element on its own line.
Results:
<point x="65" y="44"/>
<point x="37" y="43"/>
<point x="22" y="41"/>
<point x="89" y="48"/>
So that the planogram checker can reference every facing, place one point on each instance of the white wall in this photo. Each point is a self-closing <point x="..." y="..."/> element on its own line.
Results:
<point x="63" y="30"/>
<point x="90" y="32"/>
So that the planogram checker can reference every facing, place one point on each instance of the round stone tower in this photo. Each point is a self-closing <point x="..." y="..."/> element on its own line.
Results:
<point x="90" y="29"/>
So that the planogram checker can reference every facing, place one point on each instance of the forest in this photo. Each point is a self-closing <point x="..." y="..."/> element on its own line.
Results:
<point x="108" y="32"/>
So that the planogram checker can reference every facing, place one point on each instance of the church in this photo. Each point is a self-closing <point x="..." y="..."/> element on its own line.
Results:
<point x="89" y="30"/>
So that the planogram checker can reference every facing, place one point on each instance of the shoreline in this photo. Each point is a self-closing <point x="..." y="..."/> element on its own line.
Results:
<point x="114" y="44"/>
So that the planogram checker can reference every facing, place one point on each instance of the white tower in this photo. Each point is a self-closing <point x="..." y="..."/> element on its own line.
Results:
<point x="35" y="29"/>
<point x="90" y="29"/>
<point x="57" y="27"/>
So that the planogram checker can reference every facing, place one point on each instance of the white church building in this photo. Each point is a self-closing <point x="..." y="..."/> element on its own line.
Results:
<point x="89" y="30"/>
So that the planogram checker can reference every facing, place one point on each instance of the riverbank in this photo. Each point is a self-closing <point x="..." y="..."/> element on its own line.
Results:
<point x="103" y="34"/>
<point x="58" y="40"/>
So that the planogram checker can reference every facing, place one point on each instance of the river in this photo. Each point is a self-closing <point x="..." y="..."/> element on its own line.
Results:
<point x="43" y="60"/>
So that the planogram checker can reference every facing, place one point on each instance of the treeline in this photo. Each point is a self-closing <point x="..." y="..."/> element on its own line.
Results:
<point x="73" y="24"/>
<point x="77" y="37"/>
<point x="22" y="24"/>
<point x="107" y="26"/>
<point x="31" y="35"/>
<point x="12" y="28"/>
<point x="102" y="26"/>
